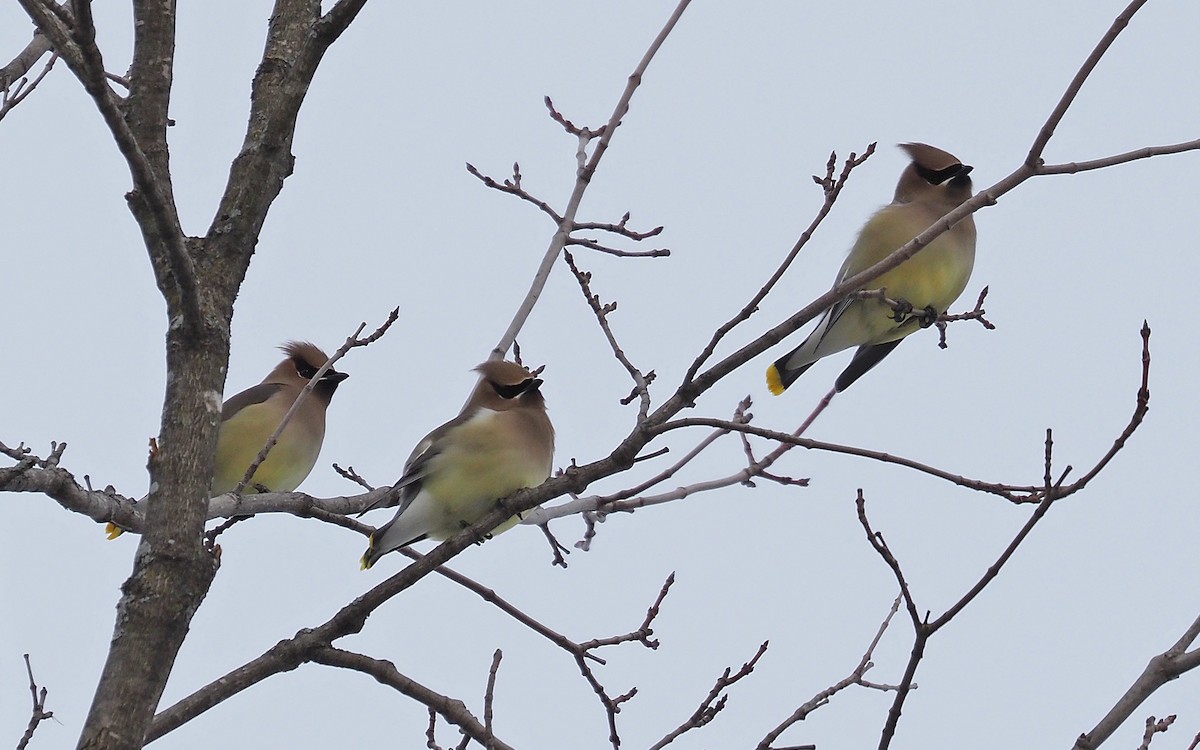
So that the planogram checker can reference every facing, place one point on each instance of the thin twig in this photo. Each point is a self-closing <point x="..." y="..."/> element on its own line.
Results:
<point x="601" y="312"/>
<point x="1155" y="726"/>
<point x="386" y="673"/>
<point x="489" y="696"/>
<point x="1034" y="159"/>
<point x="712" y="704"/>
<point x="12" y="96"/>
<point x="822" y="698"/>
<point x="39" y="713"/>
<point x="832" y="189"/>
<point x="567" y="222"/>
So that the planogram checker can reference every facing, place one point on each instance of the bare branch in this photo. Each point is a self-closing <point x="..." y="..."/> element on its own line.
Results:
<point x="1155" y="726"/>
<point x="640" y="385"/>
<point x="1163" y="668"/>
<point x="569" y="126"/>
<point x="670" y="471"/>
<point x="513" y="187"/>
<point x="491" y="597"/>
<point x="44" y="476"/>
<point x="152" y="190"/>
<point x="620" y="228"/>
<point x="1034" y="159"/>
<point x="924" y="629"/>
<point x="976" y="313"/>
<point x="337" y="20"/>
<point x="1140" y="409"/>
<point x="567" y="222"/>
<point x="14" y="95"/>
<point x="594" y="245"/>
<point x="643" y="633"/>
<point x="712" y="705"/>
<point x="1111" y="161"/>
<point x="832" y="189"/>
<point x="386" y="673"/>
<point x="1018" y="494"/>
<point x="822" y="698"/>
<point x="310" y="643"/>
<point x="352" y="475"/>
<point x="880" y="546"/>
<point x="1050" y="496"/>
<point x="489" y="696"/>
<point x="39" y="713"/>
<point x="24" y="61"/>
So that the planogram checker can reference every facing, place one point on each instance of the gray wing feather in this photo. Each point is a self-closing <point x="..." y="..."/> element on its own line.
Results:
<point x="249" y="397"/>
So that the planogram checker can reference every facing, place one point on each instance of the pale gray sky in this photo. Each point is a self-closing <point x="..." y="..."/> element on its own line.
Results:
<point x="743" y="103"/>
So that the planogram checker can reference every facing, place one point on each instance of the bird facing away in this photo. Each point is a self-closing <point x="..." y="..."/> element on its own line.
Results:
<point x="931" y="186"/>
<point x="249" y="418"/>
<point x="501" y="442"/>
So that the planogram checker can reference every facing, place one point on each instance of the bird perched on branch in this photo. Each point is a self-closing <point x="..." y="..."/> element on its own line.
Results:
<point x="249" y="418"/>
<point x="932" y="185"/>
<point x="501" y="442"/>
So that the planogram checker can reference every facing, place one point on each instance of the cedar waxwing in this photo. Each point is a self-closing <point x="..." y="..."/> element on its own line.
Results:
<point x="931" y="186"/>
<point x="249" y="418"/>
<point x="501" y="442"/>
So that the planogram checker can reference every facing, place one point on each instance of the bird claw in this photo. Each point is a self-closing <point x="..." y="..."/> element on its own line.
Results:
<point x="479" y="538"/>
<point x="902" y="310"/>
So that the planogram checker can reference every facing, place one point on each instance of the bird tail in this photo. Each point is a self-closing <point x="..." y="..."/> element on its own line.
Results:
<point x="779" y="376"/>
<point x="784" y="371"/>
<point x="864" y="359"/>
<point x="113" y="531"/>
<point x="370" y="556"/>
<point x="381" y="544"/>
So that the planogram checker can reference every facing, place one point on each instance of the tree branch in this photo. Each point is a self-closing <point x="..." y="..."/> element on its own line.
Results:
<point x="39" y="713"/>
<point x="714" y="702"/>
<point x="384" y="672"/>
<point x="1162" y="669"/>
<point x="822" y="698"/>
<point x="14" y="72"/>
<point x="583" y="179"/>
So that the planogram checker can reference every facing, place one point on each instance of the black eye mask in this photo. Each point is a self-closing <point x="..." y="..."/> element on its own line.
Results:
<point x="512" y="391"/>
<point x="937" y="177"/>
<point x="305" y="369"/>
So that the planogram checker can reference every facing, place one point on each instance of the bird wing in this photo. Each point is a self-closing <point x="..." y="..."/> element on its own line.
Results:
<point x="253" y="395"/>
<point x="417" y="465"/>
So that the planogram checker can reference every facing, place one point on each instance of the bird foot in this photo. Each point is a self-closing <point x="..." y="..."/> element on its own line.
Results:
<point x="479" y="538"/>
<point x="901" y="310"/>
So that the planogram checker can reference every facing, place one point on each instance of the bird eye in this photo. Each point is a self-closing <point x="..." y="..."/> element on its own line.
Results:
<point x="306" y="370"/>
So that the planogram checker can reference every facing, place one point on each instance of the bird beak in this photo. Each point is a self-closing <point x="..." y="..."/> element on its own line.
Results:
<point x="334" y="376"/>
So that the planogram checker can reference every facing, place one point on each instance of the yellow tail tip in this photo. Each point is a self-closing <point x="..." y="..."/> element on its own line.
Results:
<point x="113" y="531"/>
<point x="364" y="562"/>
<point x="775" y="380"/>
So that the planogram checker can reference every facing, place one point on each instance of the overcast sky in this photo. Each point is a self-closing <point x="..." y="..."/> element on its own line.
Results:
<point x="742" y="105"/>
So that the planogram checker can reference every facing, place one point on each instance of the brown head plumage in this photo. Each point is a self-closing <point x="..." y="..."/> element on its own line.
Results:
<point x="505" y="385"/>
<point x="304" y="359"/>
<point x="934" y="175"/>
